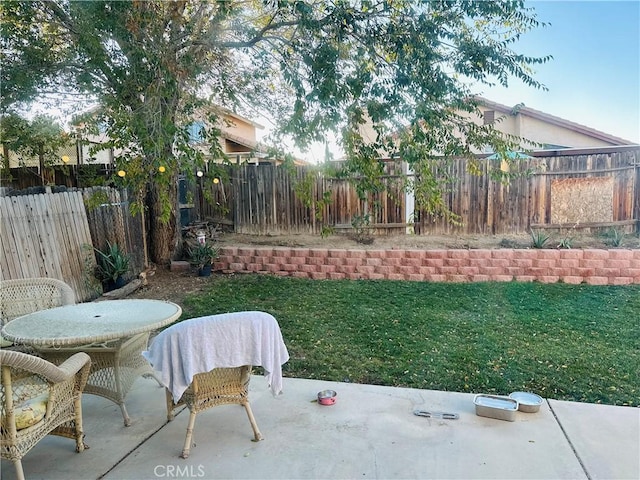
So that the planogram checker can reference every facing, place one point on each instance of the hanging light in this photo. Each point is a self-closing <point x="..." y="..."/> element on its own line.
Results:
<point x="161" y="169"/>
<point x="65" y="159"/>
<point x="199" y="173"/>
<point x="215" y="180"/>
<point x="121" y="173"/>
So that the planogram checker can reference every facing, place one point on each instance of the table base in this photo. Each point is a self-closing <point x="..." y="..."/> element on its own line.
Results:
<point x="114" y="367"/>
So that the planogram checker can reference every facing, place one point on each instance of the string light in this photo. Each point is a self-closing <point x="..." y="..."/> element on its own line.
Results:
<point x="199" y="173"/>
<point x="65" y="159"/>
<point x="161" y="169"/>
<point x="215" y="180"/>
<point x="121" y="173"/>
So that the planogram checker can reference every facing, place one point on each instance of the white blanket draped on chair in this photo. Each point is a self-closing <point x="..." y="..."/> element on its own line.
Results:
<point x="228" y="340"/>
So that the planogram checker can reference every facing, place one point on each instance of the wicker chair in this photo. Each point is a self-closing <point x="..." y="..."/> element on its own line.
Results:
<point x="39" y="398"/>
<point x="206" y="362"/>
<point x="20" y="297"/>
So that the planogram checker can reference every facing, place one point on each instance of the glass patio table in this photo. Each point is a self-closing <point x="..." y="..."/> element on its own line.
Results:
<point x="113" y="333"/>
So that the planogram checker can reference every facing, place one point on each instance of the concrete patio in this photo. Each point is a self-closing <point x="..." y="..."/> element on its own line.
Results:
<point x="370" y="433"/>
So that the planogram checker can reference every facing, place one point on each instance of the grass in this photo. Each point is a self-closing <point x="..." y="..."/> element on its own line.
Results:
<point x="567" y="342"/>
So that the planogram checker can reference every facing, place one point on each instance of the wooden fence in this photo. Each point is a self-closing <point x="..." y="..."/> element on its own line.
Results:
<point x="573" y="189"/>
<point x="53" y="235"/>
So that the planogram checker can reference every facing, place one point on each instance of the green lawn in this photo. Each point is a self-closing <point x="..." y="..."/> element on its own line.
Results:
<point x="568" y="342"/>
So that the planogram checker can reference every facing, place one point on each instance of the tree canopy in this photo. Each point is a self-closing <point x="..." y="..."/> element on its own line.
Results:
<point x="406" y="68"/>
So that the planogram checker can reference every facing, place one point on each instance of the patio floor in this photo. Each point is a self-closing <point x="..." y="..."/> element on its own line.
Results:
<point x="370" y="433"/>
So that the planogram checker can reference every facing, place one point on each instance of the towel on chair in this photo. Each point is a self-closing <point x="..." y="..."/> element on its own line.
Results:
<point x="228" y="340"/>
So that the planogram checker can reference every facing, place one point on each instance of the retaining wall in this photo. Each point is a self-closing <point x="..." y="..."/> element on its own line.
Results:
<point x="592" y="266"/>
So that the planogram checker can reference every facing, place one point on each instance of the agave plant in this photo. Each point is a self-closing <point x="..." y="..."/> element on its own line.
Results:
<point x="539" y="238"/>
<point x="112" y="263"/>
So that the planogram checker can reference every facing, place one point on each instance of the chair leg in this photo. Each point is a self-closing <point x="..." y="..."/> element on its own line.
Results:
<point x="187" y="442"/>
<point x="80" y="445"/>
<point x="169" y="400"/>
<point x="125" y="415"/>
<point x="19" y="471"/>
<point x="257" y="436"/>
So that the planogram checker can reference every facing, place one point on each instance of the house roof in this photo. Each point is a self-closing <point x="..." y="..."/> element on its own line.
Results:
<point x="552" y="119"/>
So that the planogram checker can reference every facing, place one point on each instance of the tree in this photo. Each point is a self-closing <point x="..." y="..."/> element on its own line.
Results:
<point x="311" y="66"/>
<point x="39" y="138"/>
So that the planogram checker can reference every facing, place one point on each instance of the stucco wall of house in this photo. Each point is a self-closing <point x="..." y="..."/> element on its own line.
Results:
<point x="591" y="266"/>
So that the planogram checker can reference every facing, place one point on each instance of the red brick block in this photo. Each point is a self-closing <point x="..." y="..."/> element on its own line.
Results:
<point x="280" y="273"/>
<point x="548" y="279"/>
<point x="479" y="262"/>
<point x="228" y="251"/>
<point x="355" y="276"/>
<point x="300" y="275"/>
<point x="525" y="254"/>
<point x="376" y="253"/>
<point x="544" y="263"/>
<point x="246" y="251"/>
<point x="357" y="254"/>
<point x="548" y="254"/>
<point x="506" y="253"/>
<point x="435" y="254"/>
<point x="346" y="269"/>
<point x="571" y="254"/>
<point x="427" y="270"/>
<point x="300" y="252"/>
<point x="353" y="261"/>
<point x="458" y="253"/>
<point x="597" y="280"/>
<point x="455" y="262"/>
<point x="481" y="278"/>
<point x="394" y="262"/>
<point x="619" y="263"/>
<point x="326" y="268"/>
<point x="469" y="271"/>
<point x="365" y="269"/>
<point x="560" y="272"/>
<point x="336" y="276"/>
<point x="318" y="252"/>
<point x="514" y="271"/>
<point x="226" y="258"/>
<point x="433" y="262"/>
<point x="318" y="275"/>
<point x="315" y="260"/>
<point x="383" y="270"/>
<point x="491" y="271"/>
<point x="263" y="252"/>
<point x="583" y="272"/>
<point x="500" y="262"/>
<point x="448" y="270"/>
<point x="523" y="262"/>
<point x="535" y="271"/>
<point x="281" y="252"/>
<point x="593" y="263"/>
<point x="271" y="267"/>
<point x="479" y="254"/>
<point x="254" y="267"/>
<point x="395" y="253"/>
<point x="414" y="254"/>
<point x="220" y="265"/>
<point x="395" y="276"/>
<point x="335" y="261"/>
<point x="297" y="260"/>
<point x="373" y="261"/>
<point x="621" y="281"/>
<point x="435" y="278"/>
<point x="595" y="254"/>
<point x="290" y="267"/>
<point x="412" y="262"/>
<point x="308" y="268"/>
<point x="376" y="276"/>
<point x="244" y="258"/>
<point x="636" y="254"/>
<point x="415" y="277"/>
<point x="569" y="263"/>
<point x="337" y="253"/>
<point x="607" y="272"/>
<point x="633" y="272"/>
<point x="236" y="267"/>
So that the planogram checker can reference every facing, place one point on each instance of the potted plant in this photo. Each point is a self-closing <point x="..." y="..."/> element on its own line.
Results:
<point x="112" y="265"/>
<point x="202" y="256"/>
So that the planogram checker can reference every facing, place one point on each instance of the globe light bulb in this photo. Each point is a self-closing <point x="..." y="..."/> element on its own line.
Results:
<point x="199" y="173"/>
<point x="161" y="169"/>
<point x="121" y="173"/>
<point x="215" y="180"/>
<point x="65" y="159"/>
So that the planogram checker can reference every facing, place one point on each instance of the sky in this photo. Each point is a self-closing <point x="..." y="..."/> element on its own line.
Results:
<point x="594" y="76"/>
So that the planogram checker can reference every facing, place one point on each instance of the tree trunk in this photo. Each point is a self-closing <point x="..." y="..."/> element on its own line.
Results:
<point x="163" y="234"/>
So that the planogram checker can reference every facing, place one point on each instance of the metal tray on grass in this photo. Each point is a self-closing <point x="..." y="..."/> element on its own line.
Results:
<point x="494" y="406"/>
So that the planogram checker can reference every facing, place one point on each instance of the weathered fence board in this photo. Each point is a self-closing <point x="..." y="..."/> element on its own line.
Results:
<point x="43" y="236"/>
